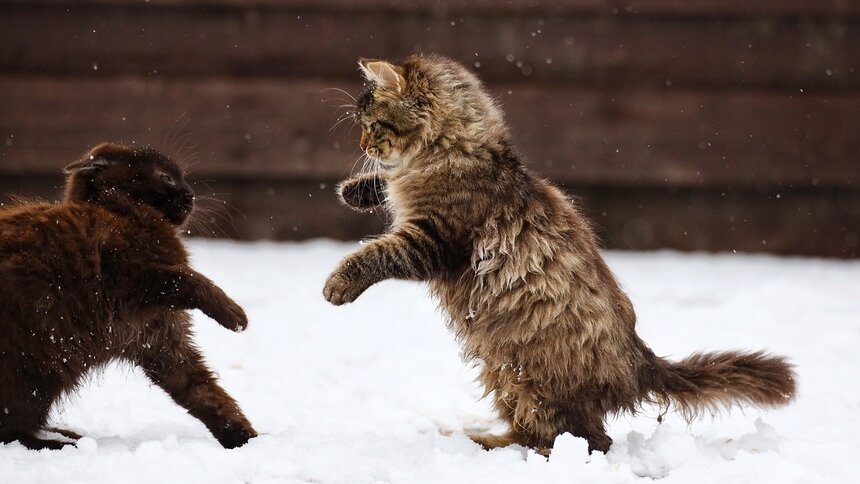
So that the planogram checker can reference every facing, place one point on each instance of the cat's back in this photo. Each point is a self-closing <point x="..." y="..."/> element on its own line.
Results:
<point x="46" y="224"/>
<point x="50" y="242"/>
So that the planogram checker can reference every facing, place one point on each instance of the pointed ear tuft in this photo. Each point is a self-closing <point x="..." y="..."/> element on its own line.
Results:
<point x="383" y="74"/>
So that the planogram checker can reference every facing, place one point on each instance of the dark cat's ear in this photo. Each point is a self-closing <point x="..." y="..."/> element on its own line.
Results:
<point x="99" y="157"/>
<point x="383" y="74"/>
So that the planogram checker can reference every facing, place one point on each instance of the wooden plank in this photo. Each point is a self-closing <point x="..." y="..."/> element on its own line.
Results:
<point x="256" y="129"/>
<point x="817" y="222"/>
<point x="615" y="7"/>
<point x="597" y="51"/>
<point x="242" y="210"/>
<point x="811" y="222"/>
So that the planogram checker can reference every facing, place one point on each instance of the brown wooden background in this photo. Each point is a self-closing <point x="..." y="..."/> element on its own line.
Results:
<point x="692" y="124"/>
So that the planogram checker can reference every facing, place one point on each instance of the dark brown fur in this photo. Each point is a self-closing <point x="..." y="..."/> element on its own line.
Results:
<point x="516" y="267"/>
<point x="104" y="276"/>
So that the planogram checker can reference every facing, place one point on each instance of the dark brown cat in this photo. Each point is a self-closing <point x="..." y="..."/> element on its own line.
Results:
<point x="104" y="276"/>
<point x="516" y="267"/>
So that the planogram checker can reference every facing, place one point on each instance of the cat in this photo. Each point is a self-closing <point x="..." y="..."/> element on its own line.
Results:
<point x="104" y="276"/>
<point x="516" y="267"/>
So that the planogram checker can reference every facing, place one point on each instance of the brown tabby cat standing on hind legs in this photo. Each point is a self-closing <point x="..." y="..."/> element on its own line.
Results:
<point x="516" y="267"/>
<point x="104" y="276"/>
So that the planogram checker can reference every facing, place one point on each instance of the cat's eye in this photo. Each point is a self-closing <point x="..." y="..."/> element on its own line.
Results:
<point x="382" y="124"/>
<point x="168" y="179"/>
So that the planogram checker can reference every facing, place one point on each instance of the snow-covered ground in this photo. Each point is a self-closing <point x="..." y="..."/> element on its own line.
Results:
<point x="376" y="391"/>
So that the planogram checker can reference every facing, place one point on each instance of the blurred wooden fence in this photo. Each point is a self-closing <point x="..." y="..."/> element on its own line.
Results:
<point x="691" y="124"/>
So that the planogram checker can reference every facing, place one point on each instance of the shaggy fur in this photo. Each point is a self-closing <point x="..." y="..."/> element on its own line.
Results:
<point x="516" y="267"/>
<point x="104" y="276"/>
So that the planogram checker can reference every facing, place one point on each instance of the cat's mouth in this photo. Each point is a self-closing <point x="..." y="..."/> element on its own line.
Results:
<point x="387" y="164"/>
<point x="383" y="161"/>
<point x="181" y="210"/>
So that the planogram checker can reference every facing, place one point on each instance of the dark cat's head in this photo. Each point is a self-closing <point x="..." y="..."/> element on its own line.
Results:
<point x="423" y="102"/>
<point x="143" y="176"/>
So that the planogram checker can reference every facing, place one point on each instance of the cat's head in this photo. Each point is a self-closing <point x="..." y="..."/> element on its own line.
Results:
<point x="420" y="103"/>
<point x="111" y="172"/>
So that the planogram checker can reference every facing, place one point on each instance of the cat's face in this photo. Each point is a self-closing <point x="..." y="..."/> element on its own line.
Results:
<point x="144" y="175"/>
<point x="426" y="101"/>
<point x="391" y="127"/>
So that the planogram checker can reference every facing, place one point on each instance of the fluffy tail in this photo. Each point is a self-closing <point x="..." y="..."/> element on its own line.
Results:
<point x="715" y="381"/>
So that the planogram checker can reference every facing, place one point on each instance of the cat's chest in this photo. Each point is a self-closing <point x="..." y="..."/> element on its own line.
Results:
<point x="395" y="202"/>
<point x="406" y="196"/>
<point x="129" y="253"/>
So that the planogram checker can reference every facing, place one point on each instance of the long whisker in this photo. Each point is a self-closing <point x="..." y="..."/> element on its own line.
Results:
<point x="357" y="159"/>
<point x="206" y="218"/>
<point x="342" y="119"/>
<point x="341" y="91"/>
<point x="179" y="124"/>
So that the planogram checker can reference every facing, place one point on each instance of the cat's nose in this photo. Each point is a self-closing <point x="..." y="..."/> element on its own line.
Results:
<point x="188" y="197"/>
<point x="363" y="141"/>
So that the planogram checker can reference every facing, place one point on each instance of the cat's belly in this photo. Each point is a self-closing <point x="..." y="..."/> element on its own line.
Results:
<point x="558" y="343"/>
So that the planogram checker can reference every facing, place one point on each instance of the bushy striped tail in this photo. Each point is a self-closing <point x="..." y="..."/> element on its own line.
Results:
<point x="717" y="381"/>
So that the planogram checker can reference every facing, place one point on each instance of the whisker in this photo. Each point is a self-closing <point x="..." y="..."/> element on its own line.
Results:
<point x="357" y="159"/>
<point x="342" y="119"/>
<point x="341" y="91"/>
<point x="175" y="129"/>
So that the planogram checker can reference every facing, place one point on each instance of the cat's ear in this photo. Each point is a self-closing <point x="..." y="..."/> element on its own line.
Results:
<point x="98" y="158"/>
<point x="383" y="74"/>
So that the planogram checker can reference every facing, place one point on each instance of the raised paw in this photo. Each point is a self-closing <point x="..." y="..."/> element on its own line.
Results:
<point x="362" y="193"/>
<point x="340" y="290"/>
<point x="231" y="316"/>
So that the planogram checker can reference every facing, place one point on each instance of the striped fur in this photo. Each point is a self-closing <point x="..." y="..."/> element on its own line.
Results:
<point x="516" y="267"/>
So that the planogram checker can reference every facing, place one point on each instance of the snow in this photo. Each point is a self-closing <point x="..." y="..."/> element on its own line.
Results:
<point x="376" y="391"/>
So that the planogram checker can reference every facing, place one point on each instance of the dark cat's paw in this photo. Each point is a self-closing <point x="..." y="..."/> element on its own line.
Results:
<point x="69" y="434"/>
<point x="235" y="436"/>
<point x="340" y="289"/>
<point x="231" y="316"/>
<point x="362" y="193"/>
<point x="40" y="442"/>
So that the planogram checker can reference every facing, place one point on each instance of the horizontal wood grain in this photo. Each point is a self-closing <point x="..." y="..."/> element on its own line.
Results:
<point x="254" y="129"/>
<point x="615" y="7"/>
<point x="690" y="124"/>
<point x="820" y="222"/>
<point x="530" y="46"/>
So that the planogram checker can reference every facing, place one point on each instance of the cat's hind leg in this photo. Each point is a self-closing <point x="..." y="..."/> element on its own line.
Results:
<point x="491" y="441"/>
<point x="23" y="419"/>
<point x="69" y="434"/>
<point x="49" y="438"/>
<point x="35" y="442"/>
<point x="586" y="421"/>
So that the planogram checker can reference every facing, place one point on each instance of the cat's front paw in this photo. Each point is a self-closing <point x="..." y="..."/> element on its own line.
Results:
<point x="231" y="316"/>
<point x="235" y="435"/>
<point x="362" y="193"/>
<point x="340" y="289"/>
